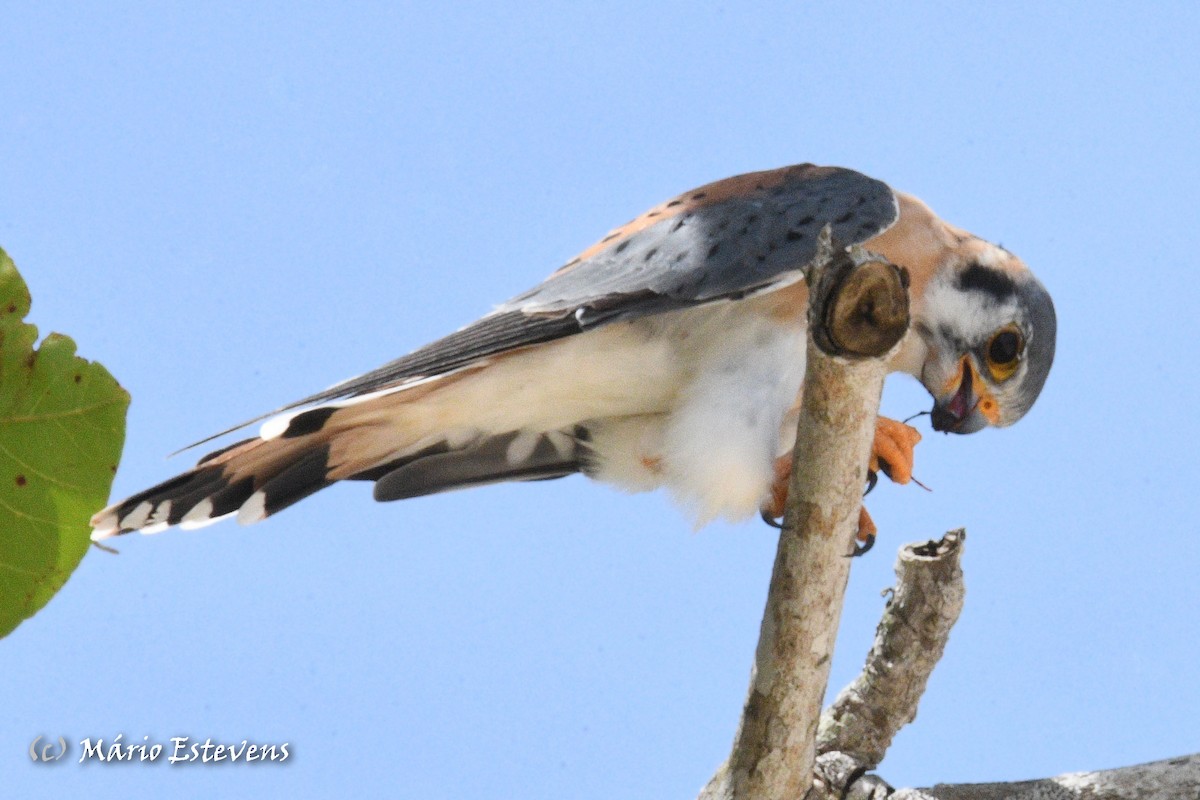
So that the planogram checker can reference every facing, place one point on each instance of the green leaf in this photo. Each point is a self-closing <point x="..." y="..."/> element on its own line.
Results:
<point x="62" y="425"/>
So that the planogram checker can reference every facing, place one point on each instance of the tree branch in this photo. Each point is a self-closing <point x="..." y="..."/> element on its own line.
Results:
<point x="858" y="311"/>
<point x="857" y="729"/>
<point x="909" y="642"/>
<point x="1169" y="779"/>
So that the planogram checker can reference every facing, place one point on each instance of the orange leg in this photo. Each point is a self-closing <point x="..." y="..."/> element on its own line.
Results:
<point x="891" y="453"/>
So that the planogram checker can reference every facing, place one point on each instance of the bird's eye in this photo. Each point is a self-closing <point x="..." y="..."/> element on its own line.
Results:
<point x="1004" y="353"/>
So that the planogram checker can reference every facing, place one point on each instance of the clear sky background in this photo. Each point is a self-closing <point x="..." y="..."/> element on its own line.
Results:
<point x="233" y="207"/>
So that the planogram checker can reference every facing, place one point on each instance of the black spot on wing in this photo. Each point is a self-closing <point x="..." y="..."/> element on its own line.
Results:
<point x="725" y="247"/>
<point x="719" y="250"/>
<point x="991" y="282"/>
<point x="308" y="422"/>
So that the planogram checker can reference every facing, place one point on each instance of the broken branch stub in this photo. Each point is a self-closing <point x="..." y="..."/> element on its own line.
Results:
<point x="858" y="305"/>
<point x="909" y="642"/>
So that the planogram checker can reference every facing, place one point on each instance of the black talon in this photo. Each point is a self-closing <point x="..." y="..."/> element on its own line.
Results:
<point x="872" y="479"/>
<point x="886" y="469"/>
<point x="864" y="547"/>
<point x="767" y="519"/>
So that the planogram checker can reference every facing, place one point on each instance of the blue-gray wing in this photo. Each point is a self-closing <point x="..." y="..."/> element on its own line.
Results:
<point x="721" y="241"/>
<point x="724" y="240"/>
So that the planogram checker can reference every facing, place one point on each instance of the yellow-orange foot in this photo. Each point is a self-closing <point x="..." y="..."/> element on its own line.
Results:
<point x="892" y="450"/>
<point x="891" y="454"/>
<point x="772" y="512"/>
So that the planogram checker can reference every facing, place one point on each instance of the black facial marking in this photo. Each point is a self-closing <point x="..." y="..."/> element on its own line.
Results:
<point x="989" y="281"/>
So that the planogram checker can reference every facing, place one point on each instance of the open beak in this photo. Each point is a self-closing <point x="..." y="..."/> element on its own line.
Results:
<point x="958" y="411"/>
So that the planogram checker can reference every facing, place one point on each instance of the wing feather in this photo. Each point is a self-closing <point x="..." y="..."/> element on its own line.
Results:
<point x="725" y="240"/>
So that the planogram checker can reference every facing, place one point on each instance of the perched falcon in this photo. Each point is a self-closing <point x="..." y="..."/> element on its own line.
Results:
<point x="671" y="353"/>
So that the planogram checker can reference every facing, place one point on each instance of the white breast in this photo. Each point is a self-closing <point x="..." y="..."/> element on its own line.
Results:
<point x="714" y="446"/>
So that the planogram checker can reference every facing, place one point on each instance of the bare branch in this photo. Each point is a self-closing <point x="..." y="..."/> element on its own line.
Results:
<point x="909" y="642"/>
<point x="1169" y="779"/>
<point x="857" y="729"/>
<point x="858" y="309"/>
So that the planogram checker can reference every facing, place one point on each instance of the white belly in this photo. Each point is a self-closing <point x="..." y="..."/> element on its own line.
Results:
<point x="714" y="444"/>
<point x="691" y="400"/>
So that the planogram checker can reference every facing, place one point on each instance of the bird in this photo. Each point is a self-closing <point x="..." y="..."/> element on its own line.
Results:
<point x="671" y="353"/>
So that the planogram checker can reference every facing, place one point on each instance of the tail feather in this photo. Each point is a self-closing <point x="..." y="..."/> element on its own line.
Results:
<point x="305" y="476"/>
<point x="256" y="478"/>
<point x="219" y="485"/>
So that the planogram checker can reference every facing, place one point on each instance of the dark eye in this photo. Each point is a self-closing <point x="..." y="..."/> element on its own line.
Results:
<point x="1002" y="353"/>
<point x="1003" y="348"/>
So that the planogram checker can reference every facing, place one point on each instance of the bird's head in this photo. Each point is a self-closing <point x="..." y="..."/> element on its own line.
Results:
<point x="988" y="329"/>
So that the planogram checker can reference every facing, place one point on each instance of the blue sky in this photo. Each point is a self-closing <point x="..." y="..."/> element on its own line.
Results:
<point x="231" y="207"/>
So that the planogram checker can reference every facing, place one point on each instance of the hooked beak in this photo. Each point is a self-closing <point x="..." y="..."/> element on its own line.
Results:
<point x="958" y="412"/>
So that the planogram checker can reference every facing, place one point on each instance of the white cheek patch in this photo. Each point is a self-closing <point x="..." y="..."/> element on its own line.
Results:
<point x="969" y="316"/>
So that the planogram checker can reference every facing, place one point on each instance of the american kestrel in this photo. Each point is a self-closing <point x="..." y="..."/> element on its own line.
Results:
<point x="670" y="353"/>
